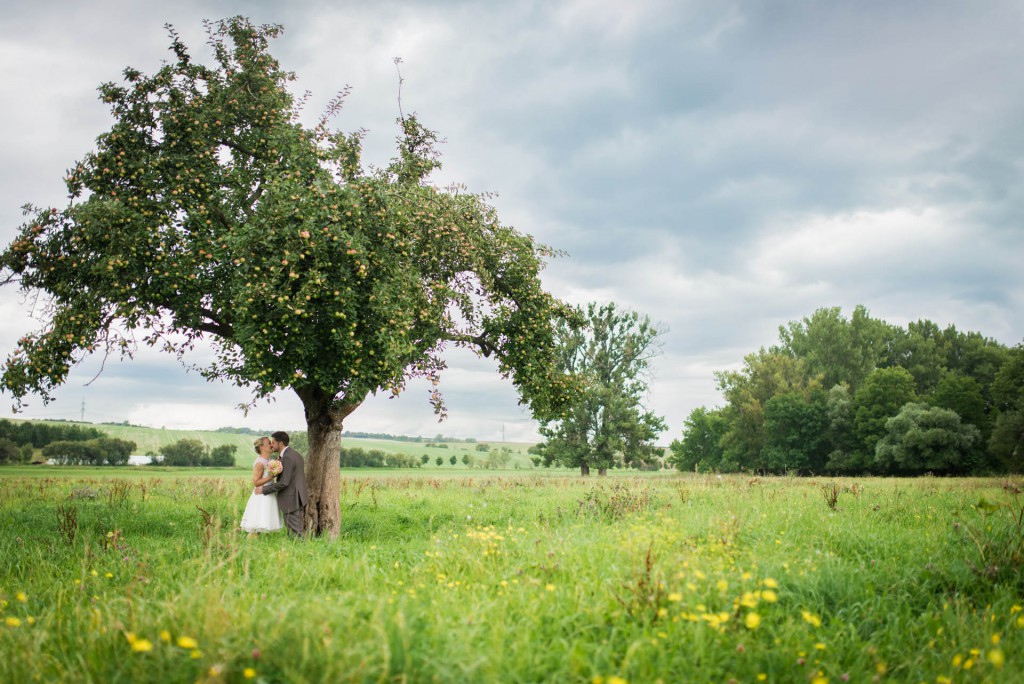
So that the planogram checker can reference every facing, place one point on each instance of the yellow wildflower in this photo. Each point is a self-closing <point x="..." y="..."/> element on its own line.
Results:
<point x="996" y="638"/>
<point x="165" y="636"/>
<point x="770" y="583"/>
<point x="748" y="600"/>
<point x="996" y="657"/>
<point x="248" y="673"/>
<point x="675" y="597"/>
<point x="21" y="596"/>
<point x="550" y="587"/>
<point x="12" y="622"/>
<point x="811" y="618"/>
<point x="752" y="621"/>
<point x="769" y="596"/>
<point x="187" y="642"/>
<point x="139" y="645"/>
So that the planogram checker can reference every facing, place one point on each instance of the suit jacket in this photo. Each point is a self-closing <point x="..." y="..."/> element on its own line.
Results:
<point x="291" y="483"/>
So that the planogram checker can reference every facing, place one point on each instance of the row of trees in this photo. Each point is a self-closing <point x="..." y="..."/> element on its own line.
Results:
<point x="375" y="458"/>
<point x="41" y="434"/>
<point x="98" y="452"/>
<point x="192" y="452"/>
<point x="858" y="395"/>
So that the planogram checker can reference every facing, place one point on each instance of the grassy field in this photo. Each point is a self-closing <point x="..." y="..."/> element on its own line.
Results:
<point x="513" y="578"/>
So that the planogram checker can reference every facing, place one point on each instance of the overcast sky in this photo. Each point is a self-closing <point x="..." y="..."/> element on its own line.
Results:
<point x="723" y="167"/>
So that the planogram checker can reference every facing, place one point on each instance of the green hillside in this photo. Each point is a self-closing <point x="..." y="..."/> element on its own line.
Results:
<point x="149" y="440"/>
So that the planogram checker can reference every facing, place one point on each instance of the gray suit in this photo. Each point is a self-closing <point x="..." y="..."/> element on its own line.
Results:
<point x="290" y="486"/>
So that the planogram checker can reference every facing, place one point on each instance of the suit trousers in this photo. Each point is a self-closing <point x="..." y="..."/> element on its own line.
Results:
<point x="293" y="521"/>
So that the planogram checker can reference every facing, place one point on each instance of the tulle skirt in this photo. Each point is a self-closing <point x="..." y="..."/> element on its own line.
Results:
<point x="262" y="514"/>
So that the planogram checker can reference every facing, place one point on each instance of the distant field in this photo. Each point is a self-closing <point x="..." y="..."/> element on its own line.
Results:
<point x="520" y="457"/>
<point x="149" y="440"/>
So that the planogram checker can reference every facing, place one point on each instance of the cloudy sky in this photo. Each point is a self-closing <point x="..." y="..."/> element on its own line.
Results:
<point x="723" y="167"/>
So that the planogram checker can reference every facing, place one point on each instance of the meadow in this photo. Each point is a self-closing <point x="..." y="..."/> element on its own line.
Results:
<point x="513" y="577"/>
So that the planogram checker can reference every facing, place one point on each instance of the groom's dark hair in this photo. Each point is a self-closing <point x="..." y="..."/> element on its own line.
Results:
<point x="281" y="437"/>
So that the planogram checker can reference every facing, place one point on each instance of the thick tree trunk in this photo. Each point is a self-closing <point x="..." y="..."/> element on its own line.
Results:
<point x="323" y="475"/>
<point x="584" y="469"/>
<point x="601" y="472"/>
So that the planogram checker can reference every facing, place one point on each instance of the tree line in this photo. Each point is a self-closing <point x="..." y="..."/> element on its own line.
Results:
<point x="194" y="453"/>
<point x="101" y="451"/>
<point x="19" y="440"/>
<point x="860" y="396"/>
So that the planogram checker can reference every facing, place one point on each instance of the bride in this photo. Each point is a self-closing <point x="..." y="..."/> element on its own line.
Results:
<point x="261" y="512"/>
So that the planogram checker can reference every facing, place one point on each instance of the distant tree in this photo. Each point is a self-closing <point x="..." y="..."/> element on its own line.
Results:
<point x="607" y="423"/>
<point x="764" y="375"/>
<point x="453" y="459"/>
<point x="67" y="453"/>
<point x="440" y="461"/>
<point x="838" y="350"/>
<point x="223" y="456"/>
<point x="27" y="452"/>
<point x="1006" y="444"/>
<point x="700" y="448"/>
<point x="922" y="439"/>
<point x="112" y="451"/>
<point x="483" y="447"/>
<point x="844" y="456"/>
<point x="975" y="356"/>
<point x="965" y="395"/>
<point x="497" y="459"/>
<point x="881" y="397"/>
<point x="796" y="433"/>
<point x="920" y="350"/>
<point x="184" y="452"/>
<point x="424" y="459"/>
<point x="209" y="211"/>
<point x="9" y="451"/>
<point x="467" y="460"/>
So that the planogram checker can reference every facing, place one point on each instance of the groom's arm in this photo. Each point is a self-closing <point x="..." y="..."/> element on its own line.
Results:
<point x="285" y="479"/>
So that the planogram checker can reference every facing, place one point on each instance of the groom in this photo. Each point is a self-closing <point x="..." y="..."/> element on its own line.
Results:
<point x="290" y="486"/>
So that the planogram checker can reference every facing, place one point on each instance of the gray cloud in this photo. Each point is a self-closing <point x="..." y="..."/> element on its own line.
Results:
<point x="722" y="167"/>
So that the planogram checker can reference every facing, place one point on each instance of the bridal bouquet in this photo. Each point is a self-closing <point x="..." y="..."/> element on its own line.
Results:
<point x="273" y="468"/>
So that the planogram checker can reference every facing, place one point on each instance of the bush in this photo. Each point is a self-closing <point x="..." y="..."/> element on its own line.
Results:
<point x="9" y="451"/>
<point x="184" y="452"/>
<point x="223" y="456"/>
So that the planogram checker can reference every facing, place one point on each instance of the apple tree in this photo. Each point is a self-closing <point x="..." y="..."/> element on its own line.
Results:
<point x="209" y="214"/>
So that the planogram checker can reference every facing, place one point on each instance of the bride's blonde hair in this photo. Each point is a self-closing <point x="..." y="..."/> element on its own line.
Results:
<point x="257" y="443"/>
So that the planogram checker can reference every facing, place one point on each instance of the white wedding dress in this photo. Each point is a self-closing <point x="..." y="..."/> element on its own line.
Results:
<point x="261" y="512"/>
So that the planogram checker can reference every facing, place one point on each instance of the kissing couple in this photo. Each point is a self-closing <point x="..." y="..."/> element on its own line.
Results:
<point x="280" y="488"/>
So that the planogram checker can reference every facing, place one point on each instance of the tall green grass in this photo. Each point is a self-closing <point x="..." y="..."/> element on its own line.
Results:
<point x="514" y="579"/>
